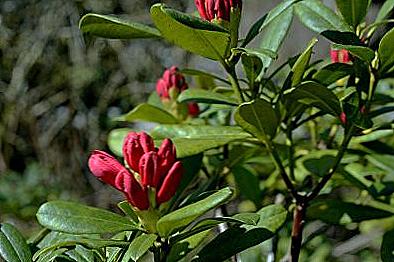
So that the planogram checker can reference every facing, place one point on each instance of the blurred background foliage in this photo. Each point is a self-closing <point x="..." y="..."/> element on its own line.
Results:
<point x="58" y="90"/>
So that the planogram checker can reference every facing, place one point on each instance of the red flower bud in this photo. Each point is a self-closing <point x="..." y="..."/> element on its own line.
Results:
<point x="134" y="146"/>
<point x="167" y="155"/>
<point x="193" y="108"/>
<point x="171" y="79"/>
<point x="343" y="118"/>
<point x="339" y="56"/>
<point x="133" y="191"/>
<point x="105" y="167"/>
<point x="148" y="169"/>
<point x="170" y="183"/>
<point x="217" y="9"/>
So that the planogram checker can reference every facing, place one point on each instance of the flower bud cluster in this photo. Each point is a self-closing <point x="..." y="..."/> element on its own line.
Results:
<point x="170" y="86"/>
<point x="217" y="9"/>
<point x="149" y="170"/>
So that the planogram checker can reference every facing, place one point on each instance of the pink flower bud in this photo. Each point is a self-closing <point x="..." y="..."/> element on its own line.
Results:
<point x="134" y="146"/>
<point x="170" y="183"/>
<point x="193" y="108"/>
<point x="133" y="191"/>
<point x="339" y="56"/>
<point x="343" y="118"/>
<point x="171" y="79"/>
<point x="105" y="167"/>
<point x="217" y="9"/>
<point x="148" y="168"/>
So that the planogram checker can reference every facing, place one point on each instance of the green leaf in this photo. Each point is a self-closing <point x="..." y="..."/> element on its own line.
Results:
<point x="191" y="33"/>
<point x="139" y="247"/>
<point x="318" y="162"/>
<point x="317" y="95"/>
<point x="237" y="239"/>
<point x="76" y="218"/>
<point x="254" y="30"/>
<point x="353" y="11"/>
<point x="248" y="183"/>
<point x="231" y="242"/>
<point x="195" y="72"/>
<point x="364" y="53"/>
<point x="318" y="17"/>
<point x="338" y="212"/>
<point x="302" y="63"/>
<point x="385" y="10"/>
<point x="185" y="215"/>
<point x="13" y="246"/>
<point x="387" y="248"/>
<point x="116" y="138"/>
<point x="191" y="140"/>
<point x="275" y="32"/>
<point x="125" y="206"/>
<point x="51" y="256"/>
<point x="272" y="217"/>
<point x="332" y="72"/>
<point x="110" y="26"/>
<point x="205" y="96"/>
<point x="252" y="66"/>
<point x="81" y="254"/>
<point x="386" y="52"/>
<point x="148" y="113"/>
<point x="342" y="38"/>
<point x="258" y="118"/>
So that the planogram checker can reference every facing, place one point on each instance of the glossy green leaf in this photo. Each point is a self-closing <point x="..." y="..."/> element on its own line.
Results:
<point x="231" y="242"/>
<point x="318" y="17"/>
<point x="387" y="248"/>
<point x="384" y="162"/>
<point x="338" y="212"/>
<point x="237" y="239"/>
<point x="342" y="38"/>
<point x="386" y="52"/>
<point x="385" y="10"/>
<point x="13" y="246"/>
<point x="52" y="255"/>
<point x="205" y="96"/>
<point x="353" y="11"/>
<point x="272" y="217"/>
<point x="258" y="118"/>
<point x="364" y="53"/>
<point x="247" y="183"/>
<point x="302" y="63"/>
<point x="332" y="72"/>
<point x="191" y="140"/>
<point x="185" y="215"/>
<point x="317" y="95"/>
<point x="115" y="140"/>
<point x="139" y="247"/>
<point x="252" y="66"/>
<point x="318" y="162"/>
<point x="148" y="113"/>
<point x="81" y="254"/>
<point x="254" y="30"/>
<point x="125" y="206"/>
<point x="110" y="26"/>
<point x="76" y="218"/>
<point x="191" y="33"/>
<point x="275" y="32"/>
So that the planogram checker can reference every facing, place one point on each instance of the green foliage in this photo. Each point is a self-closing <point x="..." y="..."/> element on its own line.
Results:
<point x="114" y="27"/>
<point x="314" y="137"/>
<point x="13" y="246"/>
<point x="75" y="218"/>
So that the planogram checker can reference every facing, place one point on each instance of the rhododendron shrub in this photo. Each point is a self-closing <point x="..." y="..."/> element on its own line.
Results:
<point x="269" y="162"/>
